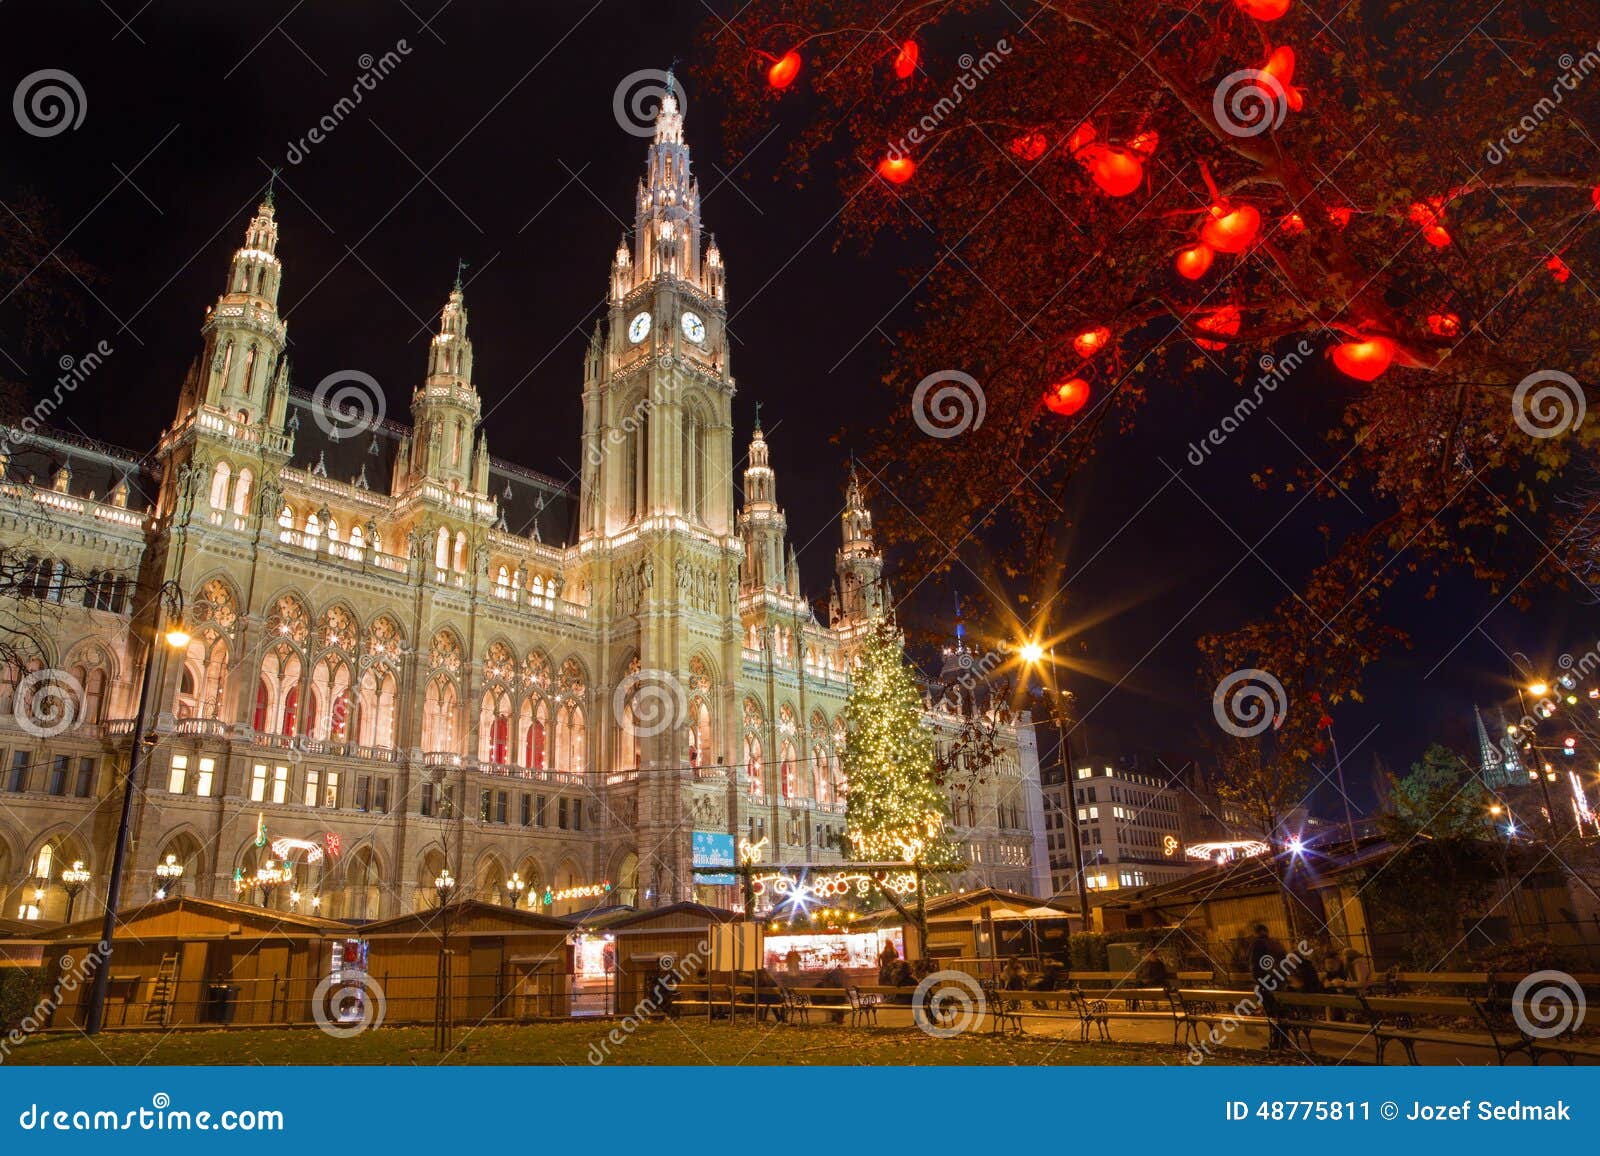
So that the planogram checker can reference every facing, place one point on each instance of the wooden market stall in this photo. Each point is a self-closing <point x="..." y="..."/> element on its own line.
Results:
<point x="677" y="935"/>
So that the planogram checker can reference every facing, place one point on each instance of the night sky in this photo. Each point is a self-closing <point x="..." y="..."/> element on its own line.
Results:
<point x="494" y="141"/>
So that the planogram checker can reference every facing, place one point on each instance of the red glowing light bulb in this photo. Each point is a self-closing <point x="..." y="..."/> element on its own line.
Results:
<point x="1193" y="262"/>
<point x="1263" y="10"/>
<point x="896" y="170"/>
<point x="905" y="61"/>
<point x="784" y="69"/>
<point x="1444" y="324"/>
<point x="1292" y="225"/>
<point x="1117" y="172"/>
<point x="1364" y="360"/>
<point x="1067" y="397"/>
<point x="1091" y="341"/>
<point x="1231" y="231"/>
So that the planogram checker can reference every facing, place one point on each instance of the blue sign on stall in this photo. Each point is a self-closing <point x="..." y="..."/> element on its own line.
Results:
<point x="713" y="849"/>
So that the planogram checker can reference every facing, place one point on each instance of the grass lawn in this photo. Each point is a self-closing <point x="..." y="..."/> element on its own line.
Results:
<point x="580" y="1043"/>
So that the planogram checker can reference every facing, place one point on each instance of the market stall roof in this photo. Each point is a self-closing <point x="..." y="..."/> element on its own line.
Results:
<point x="468" y="918"/>
<point x="24" y="927"/>
<point x="676" y="915"/>
<point x="190" y="917"/>
<point x="967" y="905"/>
<point x="600" y="918"/>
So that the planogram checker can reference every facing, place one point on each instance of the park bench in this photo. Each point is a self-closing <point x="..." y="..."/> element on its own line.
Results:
<point x="863" y="1006"/>
<point x="1396" y="1022"/>
<point x="1498" y="1017"/>
<point x="1004" y="1009"/>
<point x="1299" y="1014"/>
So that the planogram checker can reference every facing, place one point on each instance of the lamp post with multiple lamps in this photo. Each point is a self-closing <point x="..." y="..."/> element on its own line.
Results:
<point x="444" y="889"/>
<point x="73" y="880"/>
<point x="1043" y="659"/>
<point x="169" y="873"/>
<point x="165" y="608"/>
<point x="515" y="886"/>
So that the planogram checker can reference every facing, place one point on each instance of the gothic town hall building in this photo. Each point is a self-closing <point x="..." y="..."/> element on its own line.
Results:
<point x="408" y="656"/>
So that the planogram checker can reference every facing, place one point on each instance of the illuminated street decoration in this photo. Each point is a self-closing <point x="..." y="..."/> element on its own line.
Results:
<point x="833" y="885"/>
<point x="581" y="891"/>
<point x="1223" y="851"/>
<point x="282" y="846"/>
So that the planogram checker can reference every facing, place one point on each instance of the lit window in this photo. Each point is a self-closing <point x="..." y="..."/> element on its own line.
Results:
<point x="177" y="773"/>
<point x="258" y="783"/>
<point x="330" y="790"/>
<point x="202" y="782"/>
<point x="280" y="784"/>
<point x="313" y="781"/>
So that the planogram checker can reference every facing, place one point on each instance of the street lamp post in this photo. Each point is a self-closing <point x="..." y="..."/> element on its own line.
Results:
<point x="168" y="875"/>
<point x="1040" y="658"/>
<point x="444" y="888"/>
<point x="73" y="880"/>
<point x="168" y="605"/>
<point x="514" y="888"/>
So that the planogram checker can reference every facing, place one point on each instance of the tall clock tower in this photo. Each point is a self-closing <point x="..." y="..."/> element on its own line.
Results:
<point x="656" y="525"/>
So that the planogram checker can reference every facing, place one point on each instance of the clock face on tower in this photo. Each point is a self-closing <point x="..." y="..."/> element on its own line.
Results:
<point x="693" y="328"/>
<point x="639" y="328"/>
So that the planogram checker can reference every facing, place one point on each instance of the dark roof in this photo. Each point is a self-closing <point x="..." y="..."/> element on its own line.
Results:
<point x="286" y="921"/>
<point x="526" y="497"/>
<point x="426" y="919"/>
<point x="96" y="467"/>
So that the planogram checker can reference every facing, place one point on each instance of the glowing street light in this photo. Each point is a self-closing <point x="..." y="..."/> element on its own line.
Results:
<point x="1539" y="689"/>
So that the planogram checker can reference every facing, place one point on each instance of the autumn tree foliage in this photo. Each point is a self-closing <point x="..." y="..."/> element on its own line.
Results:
<point x="1396" y="201"/>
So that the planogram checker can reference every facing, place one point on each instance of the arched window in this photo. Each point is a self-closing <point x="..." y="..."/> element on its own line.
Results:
<point x="220" y="478"/>
<point x="241" y="492"/>
<point x="461" y="552"/>
<point x="754" y="771"/>
<point x="441" y="550"/>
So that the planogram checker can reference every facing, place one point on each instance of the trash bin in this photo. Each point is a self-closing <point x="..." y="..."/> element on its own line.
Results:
<point x="221" y="1003"/>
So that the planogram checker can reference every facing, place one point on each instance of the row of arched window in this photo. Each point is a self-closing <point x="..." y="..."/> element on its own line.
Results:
<point x="56" y="580"/>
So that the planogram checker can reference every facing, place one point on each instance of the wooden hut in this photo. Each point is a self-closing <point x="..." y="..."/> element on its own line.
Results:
<point x="186" y="960"/>
<point x="985" y="924"/>
<point x="677" y="935"/>
<point x="505" y="962"/>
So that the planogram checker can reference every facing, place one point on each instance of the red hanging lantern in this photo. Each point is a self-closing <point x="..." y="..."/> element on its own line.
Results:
<point x="1115" y="170"/>
<point x="1340" y="216"/>
<point x="1091" y="341"/>
<point x="896" y="170"/>
<point x="1444" y="324"/>
<point x="784" y="69"/>
<point x="1558" y="269"/>
<point x="1263" y="10"/>
<point x="1292" y="225"/>
<point x="1364" y="360"/>
<point x="905" y="61"/>
<point x="1594" y="195"/>
<point x="1426" y="216"/>
<point x="1224" y="321"/>
<point x="1082" y="137"/>
<point x="1030" y="146"/>
<point x="1067" y="397"/>
<point x="1193" y="262"/>
<point x="1231" y="230"/>
<point x="1280" y="66"/>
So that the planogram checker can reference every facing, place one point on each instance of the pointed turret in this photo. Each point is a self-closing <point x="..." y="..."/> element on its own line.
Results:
<point x="761" y="521"/>
<point x="244" y="336"/>
<point x="859" y="565"/>
<point x="445" y="409"/>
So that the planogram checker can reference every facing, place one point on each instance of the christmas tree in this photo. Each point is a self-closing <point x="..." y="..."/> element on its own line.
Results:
<point x="894" y="808"/>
